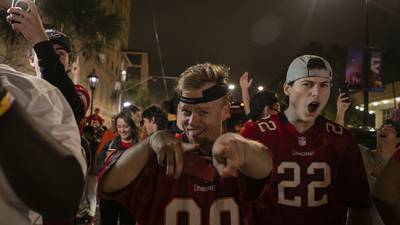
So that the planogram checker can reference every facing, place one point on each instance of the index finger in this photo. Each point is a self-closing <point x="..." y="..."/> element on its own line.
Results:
<point x="189" y="147"/>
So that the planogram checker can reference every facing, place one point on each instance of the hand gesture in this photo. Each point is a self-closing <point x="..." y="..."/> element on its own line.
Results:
<point x="169" y="151"/>
<point x="343" y="103"/>
<point x="28" y="23"/>
<point x="229" y="154"/>
<point x="245" y="82"/>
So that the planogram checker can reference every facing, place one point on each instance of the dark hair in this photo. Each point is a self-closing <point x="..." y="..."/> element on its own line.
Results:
<point x="131" y="109"/>
<point x="159" y="115"/>
<point x="128" y="120"/>
<point x="170" y="106"/>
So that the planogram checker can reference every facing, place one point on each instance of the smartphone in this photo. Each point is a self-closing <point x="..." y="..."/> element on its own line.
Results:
<point x="197" y="166"/>
<point x="344" y="88"/>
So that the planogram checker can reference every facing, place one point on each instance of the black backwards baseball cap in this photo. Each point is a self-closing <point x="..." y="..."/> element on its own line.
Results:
<point x="57" y="37"/>
<point x="308" y="66"/>
<point x="258" y="103"/>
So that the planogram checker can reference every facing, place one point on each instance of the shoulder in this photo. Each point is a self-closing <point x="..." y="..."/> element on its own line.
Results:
<point x="331" y="128"/>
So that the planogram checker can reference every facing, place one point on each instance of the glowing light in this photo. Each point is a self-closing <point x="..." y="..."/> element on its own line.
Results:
<point x="260" y="88"/>
<point x="231" y="87"/>
<point x="126" y="104"/>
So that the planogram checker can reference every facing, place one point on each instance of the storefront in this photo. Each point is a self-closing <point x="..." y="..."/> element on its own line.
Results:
<point x="380" y="103"/>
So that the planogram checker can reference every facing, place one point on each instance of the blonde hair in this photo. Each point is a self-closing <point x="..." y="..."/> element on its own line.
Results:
<point x="198" y="75"/>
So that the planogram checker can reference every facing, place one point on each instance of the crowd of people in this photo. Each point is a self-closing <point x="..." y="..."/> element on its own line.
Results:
<point x="174" y="163"/>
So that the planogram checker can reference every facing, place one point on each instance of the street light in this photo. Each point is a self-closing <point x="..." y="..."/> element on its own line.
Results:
<point x="366" y="66"/>
<point x="126" y="104"/>
<point x="93" y="80"/>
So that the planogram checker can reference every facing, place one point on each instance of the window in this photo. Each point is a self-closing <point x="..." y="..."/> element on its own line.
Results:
<point x="385" y="114"/>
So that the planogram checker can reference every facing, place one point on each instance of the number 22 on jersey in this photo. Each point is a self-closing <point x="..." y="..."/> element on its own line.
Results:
<point x="295" y="169"/>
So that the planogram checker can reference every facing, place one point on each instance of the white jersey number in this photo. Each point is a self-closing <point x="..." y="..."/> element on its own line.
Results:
<point x="312" y="186"/>
<point x="189" y="206"/>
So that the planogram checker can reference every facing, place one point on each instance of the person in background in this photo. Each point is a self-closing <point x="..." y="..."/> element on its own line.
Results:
<point x="263" y="104"/>
<point x="387" y="191"/>
<point x="51" y="55"/>
<point x="111" y="211"/>
<point x="154" y="119"/>
<point x="388" y="136"/>
<point x="95" y="120"/>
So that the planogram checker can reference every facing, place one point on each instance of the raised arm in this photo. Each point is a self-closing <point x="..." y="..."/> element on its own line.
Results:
<point x="245" y="83"/>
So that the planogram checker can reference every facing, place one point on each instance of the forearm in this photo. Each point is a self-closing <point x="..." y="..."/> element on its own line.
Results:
<point x="42" y="172"/>
<point x="54" y="72"/>
<point x="340" y="118"/>
<point x="258" y="162"/>
<point x="246" y="101"/>
<point x="127" y="168"/>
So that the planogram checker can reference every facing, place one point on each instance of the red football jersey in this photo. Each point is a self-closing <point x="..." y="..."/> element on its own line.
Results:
<point x="396" y="155"/>
<point x="317" y="174"/>
<point x="154" y="199"/>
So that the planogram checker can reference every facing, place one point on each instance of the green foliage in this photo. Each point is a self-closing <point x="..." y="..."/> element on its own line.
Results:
<point x="139" y="95"/>
<point x="93" y="29"/>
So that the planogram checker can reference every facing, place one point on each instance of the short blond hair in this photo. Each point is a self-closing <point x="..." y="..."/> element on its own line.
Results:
<point x="198" y="75"/>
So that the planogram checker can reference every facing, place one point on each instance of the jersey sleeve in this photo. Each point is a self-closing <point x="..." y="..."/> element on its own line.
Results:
<point x="138" y="196"/>
<point x="353" y="181"/>
<point x="251" y="131"/>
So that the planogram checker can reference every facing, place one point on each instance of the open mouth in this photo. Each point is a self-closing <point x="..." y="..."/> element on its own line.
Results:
<point x="313" y="106"/>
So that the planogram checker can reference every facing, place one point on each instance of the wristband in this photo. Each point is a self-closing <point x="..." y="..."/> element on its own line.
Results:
<point x="5" y="103"/>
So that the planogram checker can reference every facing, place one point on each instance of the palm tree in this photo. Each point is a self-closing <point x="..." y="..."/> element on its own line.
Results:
<point x="86" y="21"/>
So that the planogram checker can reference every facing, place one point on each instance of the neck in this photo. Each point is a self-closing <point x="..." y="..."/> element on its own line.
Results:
<point x="296" y="121"/>
<point x="126" y="141"/>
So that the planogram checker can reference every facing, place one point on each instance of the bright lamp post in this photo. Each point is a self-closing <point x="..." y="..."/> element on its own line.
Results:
<point x="93" y="79"/>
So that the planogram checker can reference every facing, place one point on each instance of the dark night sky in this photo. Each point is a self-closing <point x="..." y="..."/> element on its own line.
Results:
<point x="259" y="36"/>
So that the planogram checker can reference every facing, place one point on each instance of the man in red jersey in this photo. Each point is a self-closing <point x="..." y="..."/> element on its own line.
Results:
<point x="318" y="169"/>
<point x="387" y="191"/>
<point x="152" y="181"/>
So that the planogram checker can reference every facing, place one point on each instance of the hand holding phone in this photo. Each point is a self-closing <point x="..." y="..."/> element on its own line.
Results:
<point x="22" y="4"/>
<point x="344" y="93"/>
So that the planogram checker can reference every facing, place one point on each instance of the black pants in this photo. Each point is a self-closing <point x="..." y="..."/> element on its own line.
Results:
<point x="111" y="211"/>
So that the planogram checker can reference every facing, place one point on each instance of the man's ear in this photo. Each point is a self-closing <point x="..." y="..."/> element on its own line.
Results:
<point x="286" y="89"/>
<point x="226" y="112"/>
<point x="153" y="120"/>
